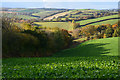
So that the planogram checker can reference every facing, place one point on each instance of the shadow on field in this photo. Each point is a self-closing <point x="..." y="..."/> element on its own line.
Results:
<point x="81" y="52"/>
<point x="98" y="21"/>
<point x="85" y="50"/>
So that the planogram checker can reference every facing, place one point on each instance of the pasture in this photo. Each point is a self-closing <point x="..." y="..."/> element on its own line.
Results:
<point x="62" y="25"/>
<point x="25" y="17"/>
<point x="99" y="47"/>
<point x="83" y="22"/>
<point x="20" y="16"/>
<point x="113" y="21"/>
<point x="43" y="14"/>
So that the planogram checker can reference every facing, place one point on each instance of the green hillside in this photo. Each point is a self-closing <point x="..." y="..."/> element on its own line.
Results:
<point x="99" y="47"/>
<point x="84" y="61"/>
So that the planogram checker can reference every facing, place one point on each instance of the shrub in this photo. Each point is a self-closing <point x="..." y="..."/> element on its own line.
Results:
<point x="18" y="44"/>
<point x="109" y="31"/>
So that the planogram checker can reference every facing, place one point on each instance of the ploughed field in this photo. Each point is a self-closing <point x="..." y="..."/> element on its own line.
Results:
<point x="91" y="59"/>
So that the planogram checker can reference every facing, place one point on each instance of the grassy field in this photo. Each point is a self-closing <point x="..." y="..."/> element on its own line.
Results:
<point x="107" y="46"/>
<point x="25" y="17"/>
<point x="62" y="25"/>
<point x="92" y="59"/>
<point x="29" y="10"/>
<point x="83" y="22"/>
<point x="113" y="21"/>
<point x="20" y="16"/>
<point x="42" y="14"/>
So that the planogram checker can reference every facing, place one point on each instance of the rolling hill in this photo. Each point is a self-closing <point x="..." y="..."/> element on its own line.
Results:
<point x="99" y="47"/>
<point x="84" y="61"/>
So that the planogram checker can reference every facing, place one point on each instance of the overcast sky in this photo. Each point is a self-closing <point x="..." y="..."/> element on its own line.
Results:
<point x="59" y="0"/>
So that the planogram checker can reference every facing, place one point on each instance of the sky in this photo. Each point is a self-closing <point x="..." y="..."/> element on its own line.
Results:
<point x="70" y="4"/>
<point x="59" y="0"/>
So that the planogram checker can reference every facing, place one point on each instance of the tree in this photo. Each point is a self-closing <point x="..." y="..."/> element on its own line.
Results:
<point x="109" y="31"/>
<point x="116" y="32"/>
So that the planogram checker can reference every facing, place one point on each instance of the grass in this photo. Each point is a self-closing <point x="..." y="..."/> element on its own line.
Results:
<point x="113" y="21"/>
<point x="25" y="17"/>
<point x="83" y="22"/>
<point x="44" y="13"/>
<point x="80" y="39"/>
<point x="29" y="10"/>
<point x="62" y="25"/>
<point x="20" y="16"/>
<point x="92" y="59"/>
<point x="107" y="46"/>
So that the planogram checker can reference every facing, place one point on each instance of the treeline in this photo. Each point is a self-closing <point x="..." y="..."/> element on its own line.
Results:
<point x="30" y="41"/>
<point x="97" y="31"/>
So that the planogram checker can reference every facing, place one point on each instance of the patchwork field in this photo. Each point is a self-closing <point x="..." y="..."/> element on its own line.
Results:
<point x="31" y="52"/>
<point x="20" y="16"/>
<point x="94" y="59"/>
<point x="83" y="22"/>
<point x="57" y="15"/>
<point x="43" y="14"/>
<point x="62" y="25"/>
<point x="113" y="21"/>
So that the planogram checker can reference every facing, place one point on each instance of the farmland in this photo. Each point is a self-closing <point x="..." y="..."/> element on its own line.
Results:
<point x="113" y="21"/>
<point x="60" y="43"/>
<point x="43" y="14"/>
<point x="57" y="15"/>
<point x="25" y="17"/>
<point x="62" y="25"/>
<point x="83" y="22"/>
<point x="20" y="16"/>
<point x="91" y="64"/>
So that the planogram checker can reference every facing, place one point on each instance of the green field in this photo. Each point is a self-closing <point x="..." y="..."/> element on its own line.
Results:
<point x="62" y="25"/>
<point x="107" y="46"/>
<point x="113" y="21"/>
<point x="20" y="16"/>
<point x="92" y="59"/>
<point x="83" y="22"/>
<point x="25" y="17"/>
<point x="42" y="14"/>
<point x="29" y="10"/>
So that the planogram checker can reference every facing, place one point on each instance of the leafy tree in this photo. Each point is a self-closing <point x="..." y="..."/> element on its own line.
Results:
<point x="116" y="32"/>
<point x="109" y="31"/>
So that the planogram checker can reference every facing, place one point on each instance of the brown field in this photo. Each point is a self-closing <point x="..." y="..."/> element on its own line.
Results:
<point x="57" y="15"/>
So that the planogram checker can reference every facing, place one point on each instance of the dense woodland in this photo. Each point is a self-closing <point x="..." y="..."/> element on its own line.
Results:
<point x="32" y="42"/>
